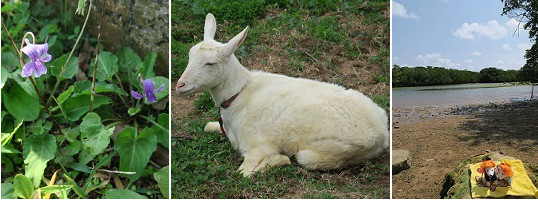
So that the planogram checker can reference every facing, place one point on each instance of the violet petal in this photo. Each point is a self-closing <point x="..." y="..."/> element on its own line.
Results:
<point x="39" y="69"/>
<point x="151" y="98"/>
<point x="161" y="88"/>
<point x="136" y="95"/>
<point x="28" y="69"/>
<point x="149" y="86"/>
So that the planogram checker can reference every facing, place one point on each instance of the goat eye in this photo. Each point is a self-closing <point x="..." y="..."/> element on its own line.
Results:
<point x="209" y="64"/>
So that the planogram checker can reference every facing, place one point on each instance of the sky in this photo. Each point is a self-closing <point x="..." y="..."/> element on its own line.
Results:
<point x="456" y="34"/>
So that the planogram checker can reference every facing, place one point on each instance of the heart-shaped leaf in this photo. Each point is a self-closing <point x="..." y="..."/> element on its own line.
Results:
<point x="23" y="186"/>
<point x="162" y="178"/>
<point x="95" y="138"/>
<point x="70" y="69"/>
<point x="75" y="107"/>
<point x="134" y="150"/>
<point x="127" y="59"/>
<point x="20" y="104"/>
<point x="37" y="151"/>
<point x="107" y="65"/>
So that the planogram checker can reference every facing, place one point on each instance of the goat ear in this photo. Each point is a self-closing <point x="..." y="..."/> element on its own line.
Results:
<point x="235" y="42"/>
<point x="210" y="27"/>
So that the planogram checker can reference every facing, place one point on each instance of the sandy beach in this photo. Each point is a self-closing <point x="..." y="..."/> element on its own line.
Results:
<point x="440" y="138"/>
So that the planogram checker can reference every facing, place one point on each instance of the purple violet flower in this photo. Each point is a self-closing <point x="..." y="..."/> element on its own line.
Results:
<point x="38" y="55"/>
<point x="149" y="91"/>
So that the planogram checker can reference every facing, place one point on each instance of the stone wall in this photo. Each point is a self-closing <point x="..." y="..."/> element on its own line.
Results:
<point x="139" y="24"/>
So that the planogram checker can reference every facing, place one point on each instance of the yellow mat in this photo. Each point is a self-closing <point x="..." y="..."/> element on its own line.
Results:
<point x="521" y="183"/>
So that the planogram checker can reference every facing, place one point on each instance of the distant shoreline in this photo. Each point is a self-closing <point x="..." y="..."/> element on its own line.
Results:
<point x="471" y="85"/>
<point x="416" y="114"/>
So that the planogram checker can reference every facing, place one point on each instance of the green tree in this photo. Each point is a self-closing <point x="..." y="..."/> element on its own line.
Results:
<point x="526" y="11"/>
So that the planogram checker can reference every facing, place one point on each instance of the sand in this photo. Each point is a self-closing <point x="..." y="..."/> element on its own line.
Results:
<point x="438" y="143"/>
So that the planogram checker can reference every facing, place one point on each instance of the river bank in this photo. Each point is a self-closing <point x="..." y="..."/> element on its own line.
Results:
<point x="403" y="115"/>
<point x="439" y="138"/>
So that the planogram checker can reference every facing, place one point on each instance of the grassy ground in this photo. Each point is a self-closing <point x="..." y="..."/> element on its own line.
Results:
<point x="342" y="42"/>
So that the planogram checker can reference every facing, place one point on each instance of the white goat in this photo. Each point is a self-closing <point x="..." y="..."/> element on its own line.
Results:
<point x="269" y="117"/>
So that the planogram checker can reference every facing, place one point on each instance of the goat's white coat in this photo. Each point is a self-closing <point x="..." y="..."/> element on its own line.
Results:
<point x="324" y="125"/>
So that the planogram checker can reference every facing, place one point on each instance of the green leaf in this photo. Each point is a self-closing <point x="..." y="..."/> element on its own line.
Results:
<point x="133" y="111"/>
<point x="85" y="87"/>
<point x="7" y="164"/>
<point x="146" y="69"/>
<point x="70" y="69"/>
<point x="127" y="59"/>
<point x="4" y="77"/>
<point x="76" y="188"/>
<point x="20" y="104"/>
<point x="159" y="80"/>
<point x="75" y="107"/>
<point x="8" y="191"/>
<point x="27" y="85"/>
<point x="162" y="178"/>
<point x="95" y="137"/>
<point x="9" y="60"/>
<point x="73" y="148"/>
<point x="122" y="194"/>
<point x="162" y="136"/>
<point x="23" y="186"/>
<point x="107" y="65"/>
<point x="80" y="167"/>
<point x="65" y="94"/>
<point x="7" y="149"/>
<point x="37" y="151"/>
<point x="55" y="188"/>
<point x="134" y="150"/>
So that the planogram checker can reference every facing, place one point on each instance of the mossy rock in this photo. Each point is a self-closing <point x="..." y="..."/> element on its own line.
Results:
<point x="457" y="185"/>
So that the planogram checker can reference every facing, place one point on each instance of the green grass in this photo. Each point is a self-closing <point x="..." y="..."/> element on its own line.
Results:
<point x="205" y="167"/>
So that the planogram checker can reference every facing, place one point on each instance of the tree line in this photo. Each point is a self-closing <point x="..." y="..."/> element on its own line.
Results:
<point x="420" y="76"/>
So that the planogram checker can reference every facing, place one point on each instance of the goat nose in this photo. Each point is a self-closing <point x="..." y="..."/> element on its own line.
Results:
<point x="179" y="85"/>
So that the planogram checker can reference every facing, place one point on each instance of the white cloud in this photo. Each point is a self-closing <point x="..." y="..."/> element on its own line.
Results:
<point x="492" y="30"/>
<point x="512" y="24"/>
<point x="476" y="53"/>
<point x="400" y="11"/>
<point x="468" y="61"/>
<point x="436" y="59"/>
<point x="507" y="47"/>
<point x="524" y="46"/>
<point x="501" y="61"/>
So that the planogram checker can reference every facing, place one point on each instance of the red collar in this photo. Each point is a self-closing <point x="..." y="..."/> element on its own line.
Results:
<point x="226" y="104"/>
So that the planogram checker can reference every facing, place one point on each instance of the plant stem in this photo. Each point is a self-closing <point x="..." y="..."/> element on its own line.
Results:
<point x="44" y="104"/>
<point x="121" y="85"/>
<point x="9" y="35"/>
<point x="114" y="124"/>
<point x="92" y="94"/>
<point x="70" y="54"/>
<point x="61" y="109"/>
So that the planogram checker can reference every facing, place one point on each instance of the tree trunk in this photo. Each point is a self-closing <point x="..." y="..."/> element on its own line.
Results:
<point x="532" y="91"/>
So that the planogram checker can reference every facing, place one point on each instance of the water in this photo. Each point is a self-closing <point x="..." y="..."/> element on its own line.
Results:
<point x="458" y="95"/>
